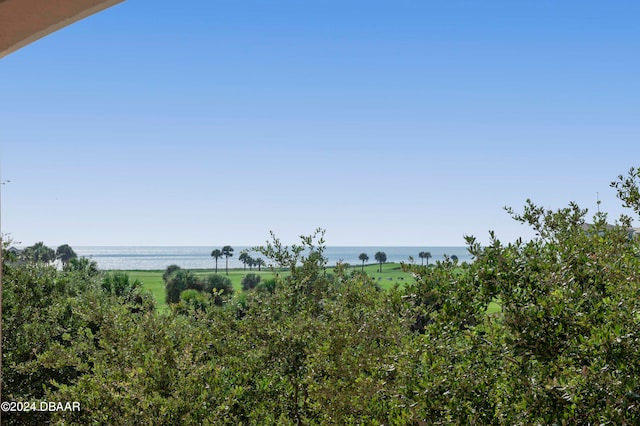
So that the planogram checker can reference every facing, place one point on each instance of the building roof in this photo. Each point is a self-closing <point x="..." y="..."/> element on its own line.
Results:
<point x="25" y="21"/>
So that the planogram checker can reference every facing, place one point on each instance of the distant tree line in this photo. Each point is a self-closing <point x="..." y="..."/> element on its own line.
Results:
<point x="381" y="257"/>
<point x="40" y="253"/>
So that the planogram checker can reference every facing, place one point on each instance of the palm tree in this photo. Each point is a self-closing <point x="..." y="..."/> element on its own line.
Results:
<point x="259" y="262"/>
<point x="227" y="251"/>
<point x="244" y="258"/>
<point x="84" y="265"/>
<point x="364" y="258"/>
<point x="216" y="254"/>
<point x="381" y="257"/>
<point x="425" y="255"/>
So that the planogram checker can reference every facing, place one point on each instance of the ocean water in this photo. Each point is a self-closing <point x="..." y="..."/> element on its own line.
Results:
<point x="199" y="257"/>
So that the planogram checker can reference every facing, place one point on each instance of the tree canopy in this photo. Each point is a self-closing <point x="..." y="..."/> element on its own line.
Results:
<point x="245" y="259"/>
<point x="363" y="257"/>
<point x="38" y="253"/>
<point x="65" y="253"/>
<point x="424" y="255"/>
<point x="216" y="254"/>
<point x="380" y="257"/>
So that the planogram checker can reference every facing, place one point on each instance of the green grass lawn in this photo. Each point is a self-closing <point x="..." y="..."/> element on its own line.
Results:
<point x="152" y="280"/>
<point x="391" y="274"/>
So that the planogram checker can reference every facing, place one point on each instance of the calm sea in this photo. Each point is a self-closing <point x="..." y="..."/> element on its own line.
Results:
<point x="199" y="257"/>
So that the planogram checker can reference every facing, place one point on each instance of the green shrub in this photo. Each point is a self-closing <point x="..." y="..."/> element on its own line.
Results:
<point x="221" y="285"/>
<point x="267" y="285"/>
<point x="118" y="283"/>
<point x="194" y="300"/>
<point x="177" y="282"/>
<point x="250" y="281"/>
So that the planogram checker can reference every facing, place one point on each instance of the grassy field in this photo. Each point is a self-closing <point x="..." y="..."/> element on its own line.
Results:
<point x="391" y="274"/>
<point x="152" y="280"/>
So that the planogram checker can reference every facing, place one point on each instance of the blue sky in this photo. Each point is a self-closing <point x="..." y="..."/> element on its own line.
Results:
<point x="384" y="122"/>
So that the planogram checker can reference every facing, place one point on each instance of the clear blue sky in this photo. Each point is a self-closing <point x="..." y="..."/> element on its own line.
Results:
<point x="385" y="122"/>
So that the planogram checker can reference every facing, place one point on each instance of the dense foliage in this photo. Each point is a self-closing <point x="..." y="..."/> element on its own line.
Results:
<point x="178" y="281"/>
<point x="312" y="347"/>
<point x="38" y="253"/>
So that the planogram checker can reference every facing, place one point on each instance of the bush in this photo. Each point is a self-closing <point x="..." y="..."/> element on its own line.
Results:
<point x="221" y="285"/>
<point x="169" y="271"/>
<point x="193" y="300"/>
<point x="177" y="282"/>
<point x="118" y="283"/>
<point x="267" y="285"/>
<point x="250" y="281"/>
<point x="132" y="292"/>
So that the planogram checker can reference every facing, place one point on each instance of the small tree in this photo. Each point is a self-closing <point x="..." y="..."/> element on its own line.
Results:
<point x="216" y="254"/>
<point x="364" y="257"/>
<point x="381" y="257"/>
<point x="227" y="252"/>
